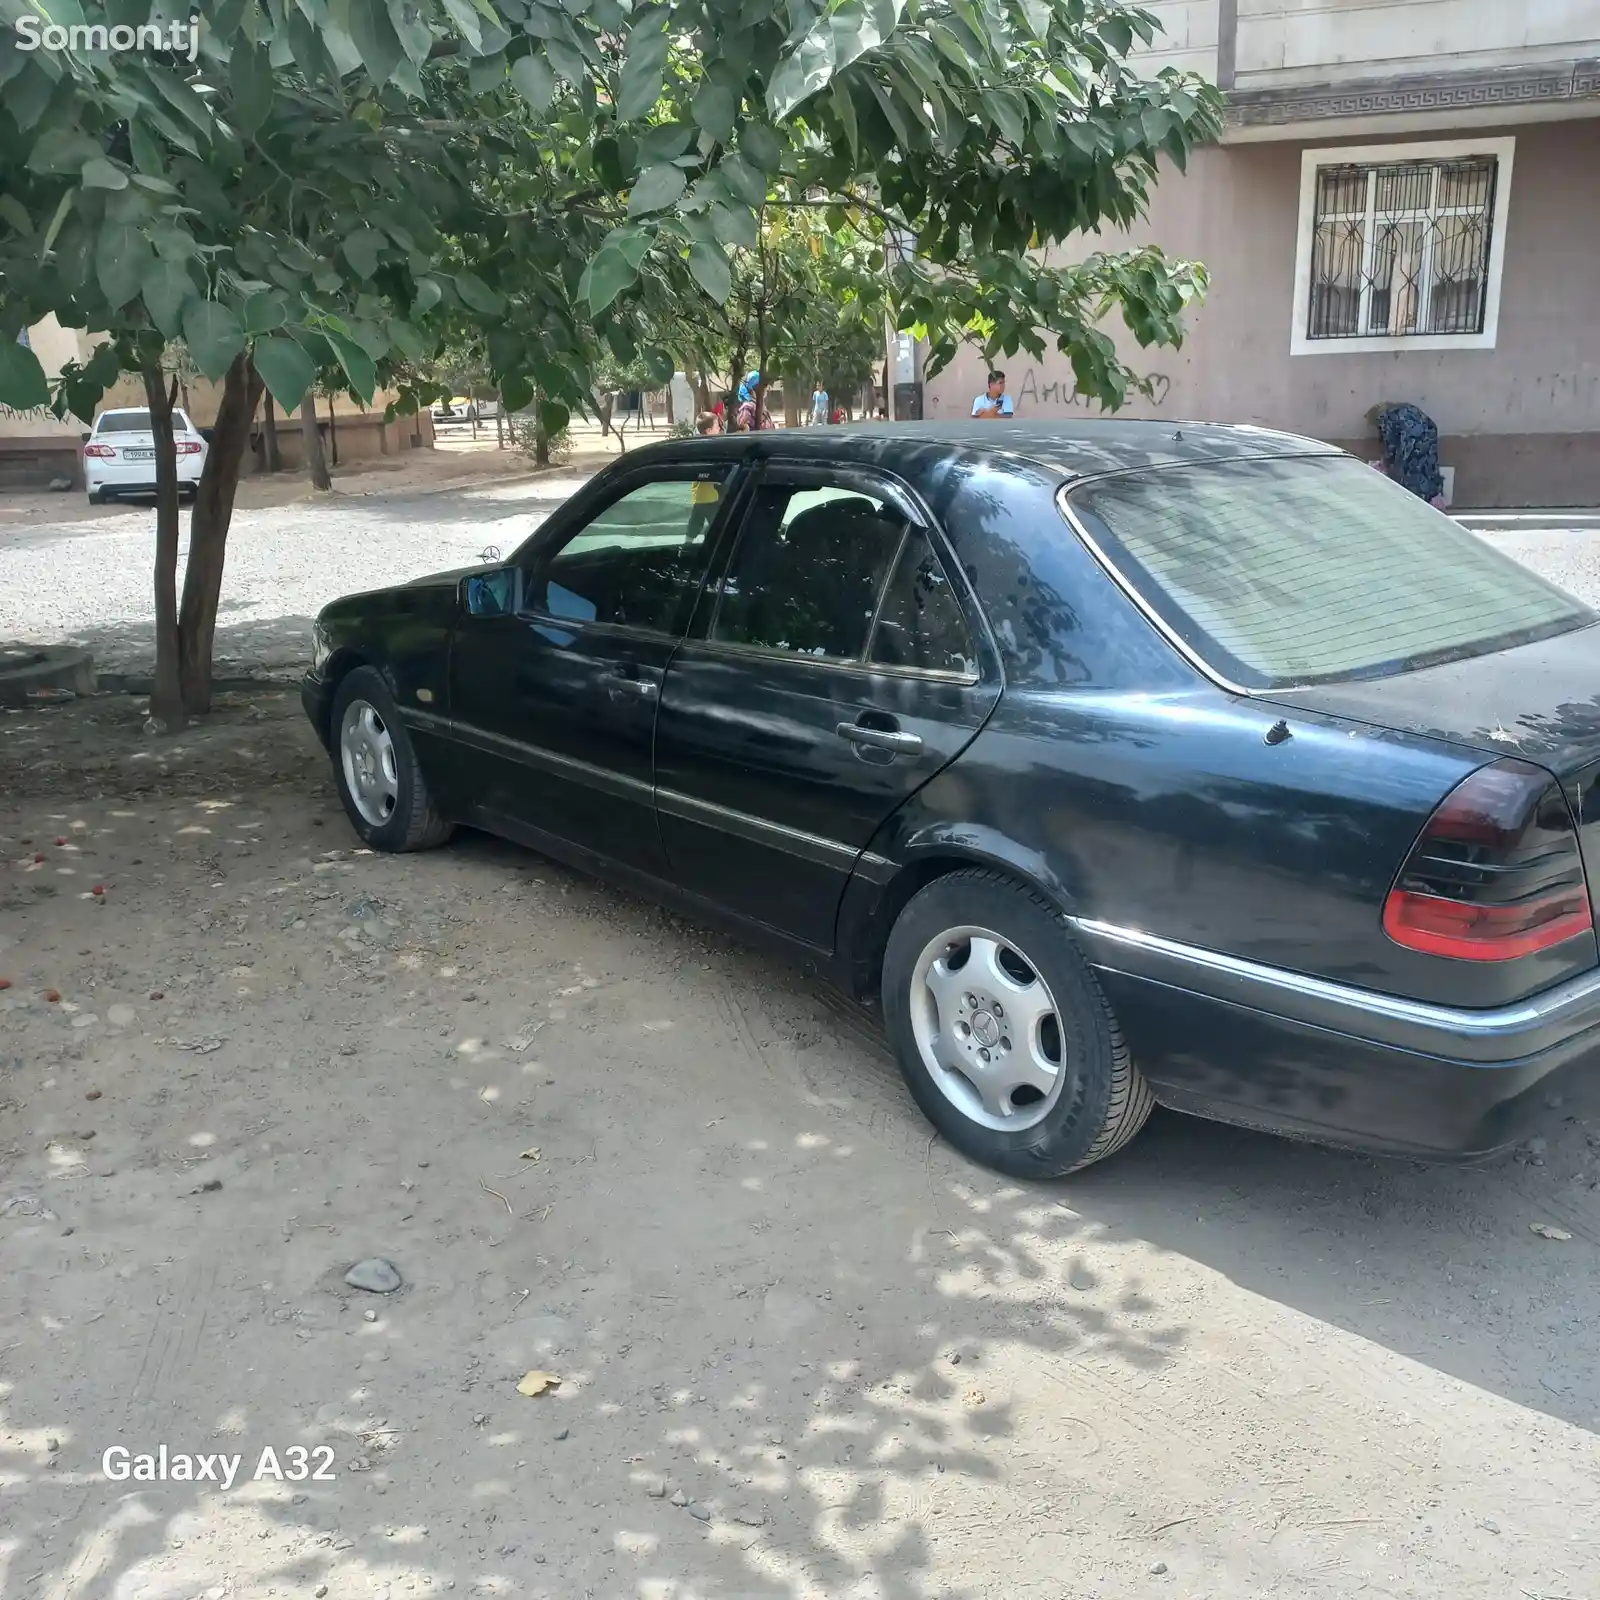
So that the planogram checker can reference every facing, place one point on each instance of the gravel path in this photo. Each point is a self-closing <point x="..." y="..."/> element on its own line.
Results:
<point x="89" y="581"/>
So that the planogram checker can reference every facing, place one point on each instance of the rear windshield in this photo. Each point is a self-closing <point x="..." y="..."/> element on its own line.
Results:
<point x="1313" y="569"/>
<point x="139" y="422"/>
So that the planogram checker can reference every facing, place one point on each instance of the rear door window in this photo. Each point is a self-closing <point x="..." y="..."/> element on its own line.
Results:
<point x="920" y="624"/>
<point x="1312" y="569"/>
<point x="808" y="571"/>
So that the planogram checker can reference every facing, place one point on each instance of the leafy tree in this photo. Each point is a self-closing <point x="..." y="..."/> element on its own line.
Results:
<point x="342" y="182"/>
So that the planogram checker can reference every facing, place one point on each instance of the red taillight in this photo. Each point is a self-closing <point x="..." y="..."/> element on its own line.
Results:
<point x="1496" y="873"/>
<point x="101" y="452"/>
<point x="187" y="447"/>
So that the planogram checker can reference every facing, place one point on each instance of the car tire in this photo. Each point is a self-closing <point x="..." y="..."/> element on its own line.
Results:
<point x="976" y="936"/>
<point x="97" y="497"/>
<point x="376" y="771"/>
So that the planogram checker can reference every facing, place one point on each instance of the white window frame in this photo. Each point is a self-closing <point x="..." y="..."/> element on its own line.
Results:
<point x="1311" y="161"/>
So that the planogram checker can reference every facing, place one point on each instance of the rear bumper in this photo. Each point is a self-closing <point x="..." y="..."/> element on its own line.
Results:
<point x="1296" y="1055"/>
<point x="140" y="478"/>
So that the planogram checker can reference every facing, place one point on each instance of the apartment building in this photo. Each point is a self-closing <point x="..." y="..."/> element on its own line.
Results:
<point x="1405" y="205"/>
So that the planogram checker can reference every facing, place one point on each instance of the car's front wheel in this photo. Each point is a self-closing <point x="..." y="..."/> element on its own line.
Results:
<point x="1002" y="1032"/>
<point x="376" y="769"/>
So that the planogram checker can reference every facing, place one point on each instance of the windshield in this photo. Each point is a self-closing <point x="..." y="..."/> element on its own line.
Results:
<point x="1313" y="569"/>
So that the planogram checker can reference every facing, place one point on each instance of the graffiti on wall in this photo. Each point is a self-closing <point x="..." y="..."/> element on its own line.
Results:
<point x="1041" y="389"/>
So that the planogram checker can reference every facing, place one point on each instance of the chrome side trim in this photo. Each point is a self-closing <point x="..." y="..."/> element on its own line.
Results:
<point x="778" y="836"/>
<point x="532" y="755"/>
<point x="1519" y="1028"/>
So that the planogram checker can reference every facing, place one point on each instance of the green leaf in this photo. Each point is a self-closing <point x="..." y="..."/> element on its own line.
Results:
<point x="1008" y="110"/>
<point x="16" y="214"/>
<point x="166" y="290"/>
<point x="1117" y="32"/>
<point x="743" y="180"/>
<point x="362" y="249"/>
<point x="516" y="393"/>
<point x="102" y="174"/>
<point x="844" y="108"/>
<point x="735" y="225"/>
<point x="477" y="295"/>
<point x="465" y="16"/>
<point x="711" y="271"/>
<point x="372" y="31"/>
<point x="358" y="366"/>
<point x="429" y="294"/>
<point x="656" y="189"/>
<point x="761" y="146"/>
<point x="122" y="256"/>
<point x="644" y="67"/>
<point x="606" y="277"/>
<point x="553" y="416"/>
<point x="485" y="73"/>
<point x="408" y="341"/>
<point x="716" y="108"/>
<point x="22" y="380"/>
<point x="534" y="81"/>
<point x="843" y="35"/>
<point x="251" y="84"/>
<point x="213" y="335"/>
<point x="264" y="311"/>
<point x="146" y="148"/>
<point x="286" y="370"/>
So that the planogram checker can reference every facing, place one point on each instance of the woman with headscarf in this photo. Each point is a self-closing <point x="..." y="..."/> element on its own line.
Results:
<point x="751" y="416"/>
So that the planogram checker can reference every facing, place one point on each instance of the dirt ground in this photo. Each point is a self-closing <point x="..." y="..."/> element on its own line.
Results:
<point x="804" y="1350"/>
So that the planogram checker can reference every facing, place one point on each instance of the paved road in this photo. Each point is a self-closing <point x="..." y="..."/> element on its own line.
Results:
<point x="89" y="581"/>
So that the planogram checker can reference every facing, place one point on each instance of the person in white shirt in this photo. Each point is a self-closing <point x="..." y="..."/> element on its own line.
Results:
<point x="994" y="403"/>
<point x="819" y="406"/>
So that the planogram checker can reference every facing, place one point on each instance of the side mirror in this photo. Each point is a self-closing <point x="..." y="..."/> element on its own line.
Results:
<point x="85" y="437"/>
<point x="494" y="593"/>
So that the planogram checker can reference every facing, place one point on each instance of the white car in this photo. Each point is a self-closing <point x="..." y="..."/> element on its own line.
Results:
<point x="119" y="456"/>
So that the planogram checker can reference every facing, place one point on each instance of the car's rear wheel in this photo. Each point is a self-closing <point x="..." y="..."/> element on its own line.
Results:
<point x="1002" y="1032"/>
<point x="97" y="497"/>
<point x="375" y="767"/>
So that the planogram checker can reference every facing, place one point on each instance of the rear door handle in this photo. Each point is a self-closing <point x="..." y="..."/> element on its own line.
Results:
<point x="629" y="680"/>
<point x="904" y="744"/>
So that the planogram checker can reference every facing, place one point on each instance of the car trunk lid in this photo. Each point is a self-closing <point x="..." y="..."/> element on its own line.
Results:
<point x="1539" y="702"/>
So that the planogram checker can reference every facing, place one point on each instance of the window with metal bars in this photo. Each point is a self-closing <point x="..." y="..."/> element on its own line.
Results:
<point x="1401" y="248"/>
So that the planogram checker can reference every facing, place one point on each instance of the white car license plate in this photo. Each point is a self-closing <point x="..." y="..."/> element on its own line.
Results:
<point x="138" y="455"/>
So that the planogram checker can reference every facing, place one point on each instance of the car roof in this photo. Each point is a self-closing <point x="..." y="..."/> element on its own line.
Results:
<point x="1068" y="449"/>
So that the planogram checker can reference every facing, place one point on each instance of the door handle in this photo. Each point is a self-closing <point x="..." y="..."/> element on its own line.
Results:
<point x="902" y="744"/>
<point x="630" y="680"/>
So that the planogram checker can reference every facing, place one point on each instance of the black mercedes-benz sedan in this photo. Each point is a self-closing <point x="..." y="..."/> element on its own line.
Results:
<point x="1123" y="763"/>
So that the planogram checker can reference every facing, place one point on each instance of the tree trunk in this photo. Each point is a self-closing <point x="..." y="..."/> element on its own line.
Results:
<point x="269" y="423"/>
<point x="316" y="461"/>
<point x="603" y="406"/>
<point x="672" y="418"/>
<point x="333" y="431"/>
<point x="791" y="401"/>
<point x="208" y="532"/>
<point x="499" y="425"/>
<point x="166" y="698"/>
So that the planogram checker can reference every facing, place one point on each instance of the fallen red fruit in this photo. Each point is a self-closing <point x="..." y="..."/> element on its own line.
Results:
<point x="60" y="840"/>
<point x="99" y="888"/>
<point x="5" y="983"/>
<point x="38" y="858"/>
<point x="158" y="994"/>
<point x="52" y="995"/>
